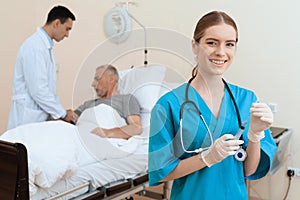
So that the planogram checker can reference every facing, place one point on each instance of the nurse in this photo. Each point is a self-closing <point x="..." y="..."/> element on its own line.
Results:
<point x="199" y="155"/>
<point x="34" y="85"/>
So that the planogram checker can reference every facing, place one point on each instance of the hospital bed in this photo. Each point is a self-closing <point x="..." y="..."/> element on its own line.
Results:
<point x="14" y="180"/>
<point x="83" y="183"/>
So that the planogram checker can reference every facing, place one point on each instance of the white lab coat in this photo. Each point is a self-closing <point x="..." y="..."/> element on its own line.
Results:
<point x="34" y="85"/>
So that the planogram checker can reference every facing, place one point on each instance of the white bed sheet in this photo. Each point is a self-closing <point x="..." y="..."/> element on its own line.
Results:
<point x="99" y="174"/>
<point x="58" y="150"/>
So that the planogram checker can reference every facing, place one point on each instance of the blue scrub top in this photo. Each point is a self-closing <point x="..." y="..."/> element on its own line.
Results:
<point x="224" y="180"/>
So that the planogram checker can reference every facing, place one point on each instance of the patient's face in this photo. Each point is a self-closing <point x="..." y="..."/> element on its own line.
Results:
<point x="101" y="83"/>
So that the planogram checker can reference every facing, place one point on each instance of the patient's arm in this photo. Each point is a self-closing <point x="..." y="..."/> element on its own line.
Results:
<point x="134" y="127"/>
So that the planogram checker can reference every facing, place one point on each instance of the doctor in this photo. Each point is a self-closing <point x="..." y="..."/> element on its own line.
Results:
<point x="34" y="86"/>
<point x="198" y="151"/>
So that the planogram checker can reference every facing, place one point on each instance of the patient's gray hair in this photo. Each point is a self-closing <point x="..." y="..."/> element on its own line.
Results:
<point x="110" y="68"/>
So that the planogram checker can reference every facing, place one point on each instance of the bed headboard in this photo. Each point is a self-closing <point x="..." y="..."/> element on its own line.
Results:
<point x="13" y="171"/>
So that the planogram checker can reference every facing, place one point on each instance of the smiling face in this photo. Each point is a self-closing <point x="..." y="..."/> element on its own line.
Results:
<point x="216" y="49"/>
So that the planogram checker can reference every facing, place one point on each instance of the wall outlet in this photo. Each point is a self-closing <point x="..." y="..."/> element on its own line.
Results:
<point x="273" y="106"/>
<point x="294" y="171"/>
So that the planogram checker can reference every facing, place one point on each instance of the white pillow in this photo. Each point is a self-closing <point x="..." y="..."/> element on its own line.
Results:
<point x="144" y="83"/>
<point x="52" y="150"/>
<point x="104" y="116"/>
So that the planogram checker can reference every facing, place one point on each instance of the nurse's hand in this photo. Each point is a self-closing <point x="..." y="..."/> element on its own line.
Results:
<point x="222" y="148"/>
<point x="261" y="118"/>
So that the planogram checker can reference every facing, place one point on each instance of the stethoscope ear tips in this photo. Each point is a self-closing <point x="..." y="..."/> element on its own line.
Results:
<point x="240" y="155"/>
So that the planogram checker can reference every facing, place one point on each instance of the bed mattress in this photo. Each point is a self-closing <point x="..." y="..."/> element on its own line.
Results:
<point x="98" y="174"/>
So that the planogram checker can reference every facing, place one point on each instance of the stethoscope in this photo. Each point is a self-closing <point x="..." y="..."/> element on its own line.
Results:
<point x="240" y="154"/>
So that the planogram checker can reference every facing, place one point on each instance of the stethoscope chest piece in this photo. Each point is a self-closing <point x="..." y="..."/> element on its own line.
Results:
<point x="240" y="155"/>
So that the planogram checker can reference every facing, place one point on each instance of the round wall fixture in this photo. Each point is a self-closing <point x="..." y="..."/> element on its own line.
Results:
<point x="117" y="25"/>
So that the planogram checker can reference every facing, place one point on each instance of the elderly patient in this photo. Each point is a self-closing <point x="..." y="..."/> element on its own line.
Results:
<point x="105" y="84"/>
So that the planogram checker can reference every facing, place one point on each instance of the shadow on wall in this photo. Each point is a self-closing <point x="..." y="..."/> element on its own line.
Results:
<point x="163" y="47"/>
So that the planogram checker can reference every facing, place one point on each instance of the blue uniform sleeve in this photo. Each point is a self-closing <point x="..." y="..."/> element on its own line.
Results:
<point x="268" y="147"/>
<point x="161" y="157"/>
<point x="268" y="150"/>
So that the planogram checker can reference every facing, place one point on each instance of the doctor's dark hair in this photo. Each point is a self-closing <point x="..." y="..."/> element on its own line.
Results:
<point x="211" y="19"/>
<point x="60" y="12"/>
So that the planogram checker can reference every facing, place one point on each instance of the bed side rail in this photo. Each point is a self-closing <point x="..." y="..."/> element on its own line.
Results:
<point x="124" y="189"/>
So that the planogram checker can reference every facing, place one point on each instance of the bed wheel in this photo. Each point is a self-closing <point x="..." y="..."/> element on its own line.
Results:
<point x="129" y="198"/>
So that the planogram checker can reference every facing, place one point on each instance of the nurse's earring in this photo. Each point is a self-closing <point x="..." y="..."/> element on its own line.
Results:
<point x="240" y="154"/>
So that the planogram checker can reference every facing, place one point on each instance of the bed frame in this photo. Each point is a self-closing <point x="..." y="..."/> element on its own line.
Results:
<point x="14" y="183"/>
<point x="14" y="178"/>
<point x="13" y="171"/>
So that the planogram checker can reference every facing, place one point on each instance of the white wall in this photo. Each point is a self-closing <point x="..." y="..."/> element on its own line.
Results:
<point x="16" y="25"/>
<point x="266" y="60"/>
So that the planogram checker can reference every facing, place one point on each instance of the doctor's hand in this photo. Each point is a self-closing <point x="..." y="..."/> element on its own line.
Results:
<point x="223" y="147"/>
<point x="261" y="118"/>
<point x="71" y="117"/>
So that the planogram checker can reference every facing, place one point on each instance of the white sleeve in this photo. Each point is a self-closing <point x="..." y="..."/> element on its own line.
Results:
<point x="37" y="79"/>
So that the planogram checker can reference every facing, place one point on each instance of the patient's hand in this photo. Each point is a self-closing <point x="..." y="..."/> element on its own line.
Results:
<point x="99" y="131"/>
<point x="71" y="117"/>
<point x="118" y="132"/>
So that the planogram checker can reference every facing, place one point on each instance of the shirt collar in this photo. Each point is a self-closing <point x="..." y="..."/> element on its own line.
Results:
<point x="47" y="36"/>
